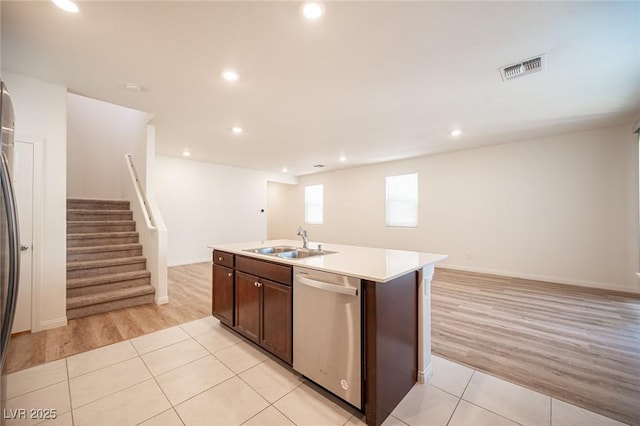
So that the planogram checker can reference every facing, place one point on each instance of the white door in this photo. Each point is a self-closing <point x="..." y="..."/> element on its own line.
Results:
<point x="23" y="186"/>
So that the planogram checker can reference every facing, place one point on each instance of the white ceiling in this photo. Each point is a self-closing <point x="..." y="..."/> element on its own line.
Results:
<point x="374" y="81"/>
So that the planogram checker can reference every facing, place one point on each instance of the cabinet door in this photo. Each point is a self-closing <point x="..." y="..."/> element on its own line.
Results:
<point x="248" y="305"/>
<point x="277" y="329"/>
<point x="222" y="294"/>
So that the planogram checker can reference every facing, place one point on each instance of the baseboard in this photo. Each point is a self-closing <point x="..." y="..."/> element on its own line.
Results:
<point x="189" y="262"/>
<point x="53" y="323"/>
<point x="424" y="376"/>
<point x="162" y="300"/>
<point x="540" y="278"/>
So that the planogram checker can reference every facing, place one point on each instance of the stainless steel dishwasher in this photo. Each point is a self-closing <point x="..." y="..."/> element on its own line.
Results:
<point x="327" y="331"/>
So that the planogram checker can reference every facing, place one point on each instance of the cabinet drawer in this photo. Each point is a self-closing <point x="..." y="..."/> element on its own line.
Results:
<point x="223" y="258"/>
<point x="269" y="270"/>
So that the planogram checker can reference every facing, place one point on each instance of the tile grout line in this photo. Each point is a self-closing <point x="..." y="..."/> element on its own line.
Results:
<point x="103" y="367"/>
<point x="159" y="414"/>
<point x="506" y="381"/>
<point x="119" y="390"/>
<point x="271" y="404"/>
<point x="41" y="387"/>
<point x="35" y="390"/>
<point x="200" y="393"/>
<point x="479" y="406"/>
<point x="161" y="390"/>
<point x="159" y="331"/>
<point x="206" y="390"/>
<point x="173" y="407"/>
<point x="469" y="402"/>
<point x="454" y="411"/>
<point x="66" y="363"/>
<point x="492" y="412"/>
<point x="112" y="393"/>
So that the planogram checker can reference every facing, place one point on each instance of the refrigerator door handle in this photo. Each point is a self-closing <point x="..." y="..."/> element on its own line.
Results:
<point x="14" y="252"/>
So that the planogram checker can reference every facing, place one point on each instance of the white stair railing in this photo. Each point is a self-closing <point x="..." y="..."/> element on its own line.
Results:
<point x="140" y="193"/>
<point x="153" y="236"/>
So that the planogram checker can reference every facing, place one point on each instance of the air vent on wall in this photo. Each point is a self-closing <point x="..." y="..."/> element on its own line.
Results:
<point x="525" y="67"/>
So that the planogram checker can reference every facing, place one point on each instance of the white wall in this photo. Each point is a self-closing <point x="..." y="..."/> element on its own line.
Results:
<point x="204" y="203"/>
<point x="562" y="208"/>
<point x="285" y="210"/>
<point x="99" y="135"/>
<point x="40" y="110"/>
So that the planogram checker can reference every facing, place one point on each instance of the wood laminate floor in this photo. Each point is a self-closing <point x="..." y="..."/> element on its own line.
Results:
<point x="574" y="344"/>
<point x="189" y="299"/>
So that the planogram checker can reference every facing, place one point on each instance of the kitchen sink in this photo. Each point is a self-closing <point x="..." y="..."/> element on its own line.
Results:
<point x="288" y="252"/>
<point x="272" y="250"/>
<point x="301" y="253"/>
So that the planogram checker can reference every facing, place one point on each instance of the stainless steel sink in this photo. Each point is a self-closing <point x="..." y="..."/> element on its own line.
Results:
<point x="271" y="250"/>
<point x="288" y="252"/>
<point x="301" y="253"/>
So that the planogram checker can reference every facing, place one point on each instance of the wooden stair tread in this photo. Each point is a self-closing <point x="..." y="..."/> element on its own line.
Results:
<point x="106" y="278"/>
<point x="108" y="296"/>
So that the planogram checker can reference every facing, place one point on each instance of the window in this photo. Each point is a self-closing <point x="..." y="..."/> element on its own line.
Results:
<point x="402" y="200"/>
<point x="313" y="195"/>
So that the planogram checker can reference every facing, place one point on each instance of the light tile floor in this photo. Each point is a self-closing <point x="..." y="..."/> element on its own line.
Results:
<point x="201" y="374"/>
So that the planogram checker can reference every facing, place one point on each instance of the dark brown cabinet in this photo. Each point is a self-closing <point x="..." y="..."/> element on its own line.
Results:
<point x="254" y="297"/>
<point x="248" y="303"/>
<point x="264" y="313"/>
<point x="223" y="288"/>
<point x="277" y="328"/>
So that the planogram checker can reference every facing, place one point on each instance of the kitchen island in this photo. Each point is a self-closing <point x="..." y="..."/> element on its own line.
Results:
<point x="252" y="294"/>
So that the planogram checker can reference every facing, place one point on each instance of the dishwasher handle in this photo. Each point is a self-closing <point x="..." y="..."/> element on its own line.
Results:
<point x="350" y="291"/>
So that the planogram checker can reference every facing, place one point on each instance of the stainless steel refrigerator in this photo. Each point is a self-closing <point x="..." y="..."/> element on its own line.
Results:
<point x="9" y="238"/>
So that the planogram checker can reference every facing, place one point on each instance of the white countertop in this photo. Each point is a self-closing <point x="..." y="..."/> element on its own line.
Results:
<point x="375" y="264"/>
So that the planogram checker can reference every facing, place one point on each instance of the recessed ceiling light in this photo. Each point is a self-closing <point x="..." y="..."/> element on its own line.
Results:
<point x="285" y="170"/>
<point x="230" y="75"/>
<point x="456" y="132"/>
<point x="237" y="130"/>
<point x="343" y="158"/>
<point x="312" y="10"/>
<point x="186" y="153"/>
<point x="67" y="5"/>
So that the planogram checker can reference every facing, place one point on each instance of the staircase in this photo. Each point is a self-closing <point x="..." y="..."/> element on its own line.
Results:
<point x="105" y="267"/>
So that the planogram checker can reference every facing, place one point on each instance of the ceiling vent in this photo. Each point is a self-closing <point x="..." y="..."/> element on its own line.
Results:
<point x="318" y="166"/>
<point x="525" y="67"/>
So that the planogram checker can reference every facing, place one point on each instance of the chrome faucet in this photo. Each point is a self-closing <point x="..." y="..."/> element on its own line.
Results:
<point x="305" y="239"/>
